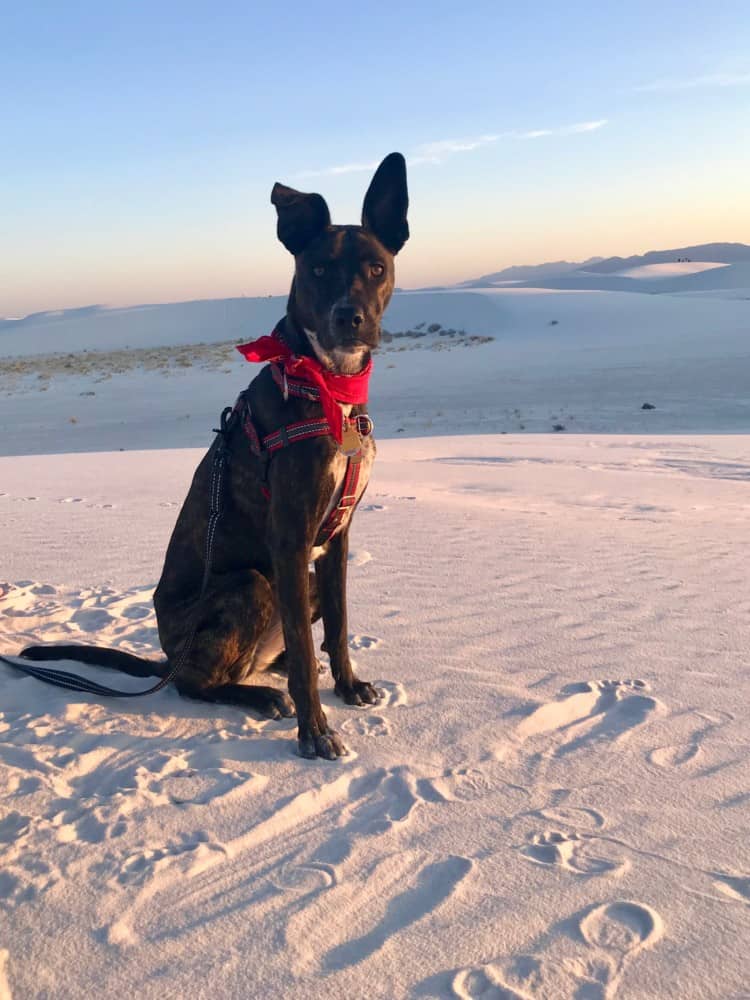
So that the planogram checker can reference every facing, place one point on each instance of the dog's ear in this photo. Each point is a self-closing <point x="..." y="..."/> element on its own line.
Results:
<point x="386" y="203"/>
<point x="302" y="216"/>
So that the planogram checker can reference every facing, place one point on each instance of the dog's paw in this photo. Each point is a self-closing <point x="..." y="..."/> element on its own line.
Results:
<point x="359" y="693"/>
<point x="328" y="745"/>
<point x="277" y="705"/>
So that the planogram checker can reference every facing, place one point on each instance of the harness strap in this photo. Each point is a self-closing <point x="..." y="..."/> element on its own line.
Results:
<point x="290" y="433"/>
<point x="347" y="500"/>
<point x="293" y="387"/>
<point x="282" y="437"/>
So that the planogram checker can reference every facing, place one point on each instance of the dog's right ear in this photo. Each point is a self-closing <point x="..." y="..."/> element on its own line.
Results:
<point x="302" y="216"/>
<point x="387" y="202"/>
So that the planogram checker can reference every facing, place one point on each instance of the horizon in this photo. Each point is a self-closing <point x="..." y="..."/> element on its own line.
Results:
<point x="400" y="288"/>
<point x="146" y="143"/>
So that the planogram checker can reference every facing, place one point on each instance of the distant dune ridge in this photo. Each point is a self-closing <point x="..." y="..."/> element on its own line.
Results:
<point x="528" y="272"/>
<point x="584" y="273"/>
<point x="613" y="274"/>
<point x="726" y="253"/>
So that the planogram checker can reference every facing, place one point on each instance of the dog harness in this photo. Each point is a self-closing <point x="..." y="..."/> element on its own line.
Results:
<point x="323" y="387"/>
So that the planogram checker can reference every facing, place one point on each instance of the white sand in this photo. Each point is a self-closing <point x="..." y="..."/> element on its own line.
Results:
<point x="674" y="269"/>
<point x="552" y="802"/>
<point x="585" y="360"/>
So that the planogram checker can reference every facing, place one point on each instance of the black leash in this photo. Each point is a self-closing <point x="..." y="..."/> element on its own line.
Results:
<point x="73" y="682"/>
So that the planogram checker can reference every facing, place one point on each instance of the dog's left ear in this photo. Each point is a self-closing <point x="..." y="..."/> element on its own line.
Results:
<point x="302" y="216"/>
<point x="386" y="203"/>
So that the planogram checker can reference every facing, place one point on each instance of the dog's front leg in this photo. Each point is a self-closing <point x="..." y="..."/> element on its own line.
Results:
<point x="330" y="571"/>
<point x="290" y="556"/>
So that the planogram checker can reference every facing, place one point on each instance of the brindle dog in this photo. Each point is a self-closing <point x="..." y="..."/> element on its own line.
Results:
<point x="261" y="597"/>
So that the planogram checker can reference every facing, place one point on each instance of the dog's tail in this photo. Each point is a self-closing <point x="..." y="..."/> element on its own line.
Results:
<point x="98" y="656"/>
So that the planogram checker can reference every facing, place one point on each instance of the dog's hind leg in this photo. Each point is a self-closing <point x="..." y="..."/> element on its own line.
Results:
<point x="235" y="614"/>
<point x="268" y="701"/>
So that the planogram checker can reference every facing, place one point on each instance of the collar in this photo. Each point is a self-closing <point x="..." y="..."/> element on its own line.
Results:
<point x="333" y="388"/>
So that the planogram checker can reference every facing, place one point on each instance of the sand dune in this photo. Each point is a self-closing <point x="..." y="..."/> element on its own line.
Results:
<point x="549" y="803"/>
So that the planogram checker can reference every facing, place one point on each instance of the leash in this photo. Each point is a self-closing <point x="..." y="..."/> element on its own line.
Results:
<point x="74" y="682"/>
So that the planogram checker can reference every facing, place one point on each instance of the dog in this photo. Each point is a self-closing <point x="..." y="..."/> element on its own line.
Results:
<point x="288" y="494"/>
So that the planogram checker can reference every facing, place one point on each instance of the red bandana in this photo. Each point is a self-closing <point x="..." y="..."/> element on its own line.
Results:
<point x="334" y="389"/>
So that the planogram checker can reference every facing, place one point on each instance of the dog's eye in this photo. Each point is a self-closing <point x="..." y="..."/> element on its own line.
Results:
<point x="377" y="270"/>
<point x="319" y="271"/>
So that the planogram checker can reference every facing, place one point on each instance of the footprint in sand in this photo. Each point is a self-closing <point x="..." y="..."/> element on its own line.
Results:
<point x="136" y="612"/>
<point x="483" y="984"/>
<point x="201" y="787"/>
<point x="366" y="725"/>
<point x="305" y="878"/>
<point x="372" y="507"/>
<point x="588" y="963"/>
<point x="391" y="800"/>
<point x="575" y="817"/>
<point x="621" y="930"/>
<point x="143" y="866"/>
<point x="467" y="784"/>
<point x="71" y="499"/>
<point x="394" y="693"/>
<point x="92" y="619"/>
<point x="571" y="852"/>
<point x="683" y="754"/>
<point x="590" y="712"/>
<point x="364" y="642"/>
<point x="359" y="557"/>
<point x="54" y="614"/>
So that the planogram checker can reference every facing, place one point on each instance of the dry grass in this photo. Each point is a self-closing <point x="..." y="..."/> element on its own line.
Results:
<point x="35" y="372"/>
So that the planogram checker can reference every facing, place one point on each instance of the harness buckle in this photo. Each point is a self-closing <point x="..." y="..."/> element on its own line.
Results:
<point x="365" y="425"/>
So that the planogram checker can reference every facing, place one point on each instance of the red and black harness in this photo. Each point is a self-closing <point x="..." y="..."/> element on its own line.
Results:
<point x="354" y="429"/>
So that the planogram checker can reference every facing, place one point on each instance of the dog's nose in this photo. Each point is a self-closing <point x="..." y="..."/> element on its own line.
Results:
<point x="347" y="318"/>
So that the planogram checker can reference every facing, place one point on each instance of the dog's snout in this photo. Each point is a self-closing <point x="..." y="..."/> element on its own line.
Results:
<point x="347" y="318"/>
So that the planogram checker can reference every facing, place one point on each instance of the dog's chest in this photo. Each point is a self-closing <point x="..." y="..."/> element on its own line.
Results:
<point x="337" y="469"/>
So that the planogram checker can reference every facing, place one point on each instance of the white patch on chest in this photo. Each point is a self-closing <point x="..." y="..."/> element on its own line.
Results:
<point x="345" y="361"/>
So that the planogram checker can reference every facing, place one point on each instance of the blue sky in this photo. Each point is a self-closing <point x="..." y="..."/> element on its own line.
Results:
<point x="141" y="140"/>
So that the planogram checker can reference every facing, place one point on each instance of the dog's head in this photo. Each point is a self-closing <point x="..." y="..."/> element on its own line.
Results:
<point x="344" y="275"/>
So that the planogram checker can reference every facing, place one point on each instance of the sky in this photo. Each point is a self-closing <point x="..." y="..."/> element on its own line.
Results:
<point x="139" y="141"/>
